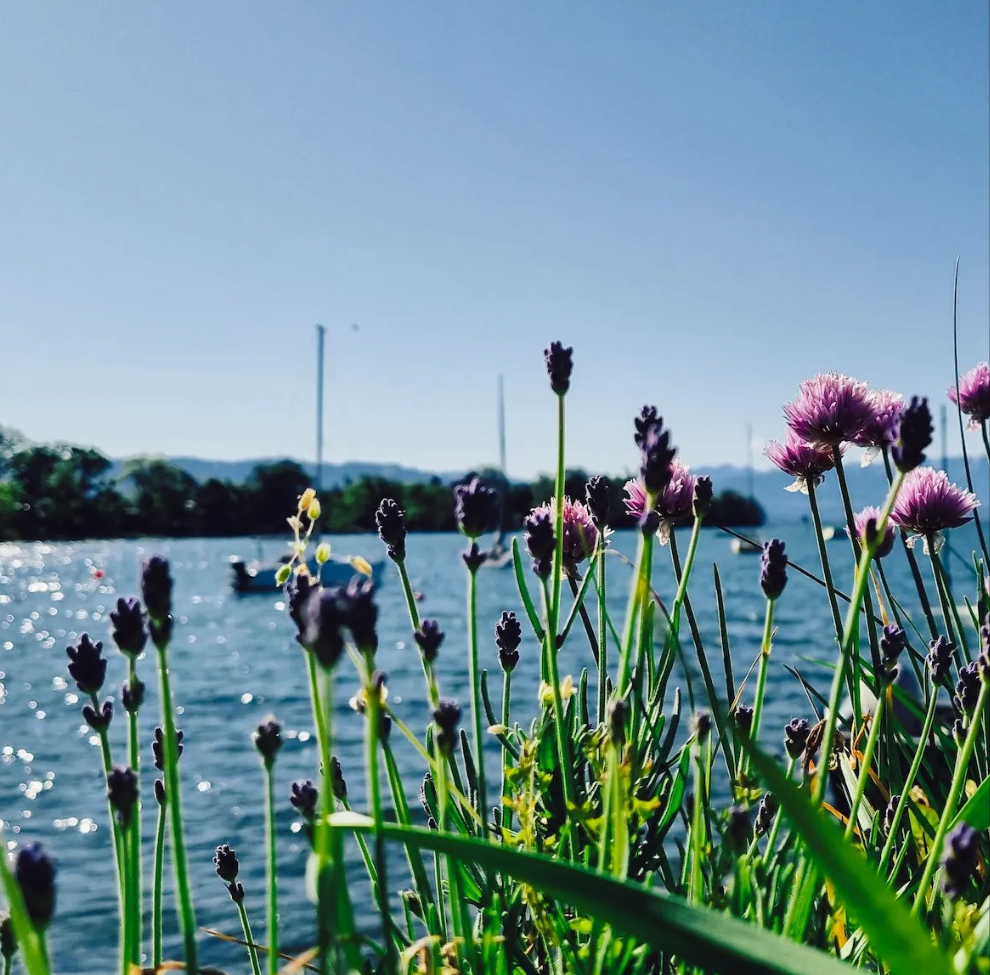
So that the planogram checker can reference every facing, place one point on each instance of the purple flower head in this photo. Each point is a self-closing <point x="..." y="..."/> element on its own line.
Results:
<point x="830" y="409"/>
<point x="973" y="397"/>
<point x="864" y="520"/>
<point x="959" y="858"/>
<point x="128" y="626"/>
<point x="880" y="430"/>
<point x="914" y="435"/>
<point x="928" y="504"/>
<point x="805" y="463"/>
<point x="560" y="363"/>
<point x="773" y="569"/>
<point x="475" y="507"/>
<point x="540" y="540"/>
<point x="35" y="873"/>
<point x="580" y="533"/>
<point x="674" y="502"/>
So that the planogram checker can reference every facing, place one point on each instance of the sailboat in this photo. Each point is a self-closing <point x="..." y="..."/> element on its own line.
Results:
<point x="500" y="554"/>
<point x="748" y="546"/>
<point x="258" y="576"/>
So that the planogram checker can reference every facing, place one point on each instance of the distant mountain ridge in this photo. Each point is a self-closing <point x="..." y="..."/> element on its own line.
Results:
<point x="866" y="485"/>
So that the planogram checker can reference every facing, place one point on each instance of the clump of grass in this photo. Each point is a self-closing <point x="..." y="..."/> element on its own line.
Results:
<point x="622" y="838"/>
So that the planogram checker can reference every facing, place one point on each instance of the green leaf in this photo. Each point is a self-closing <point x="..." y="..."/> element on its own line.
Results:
<point x="28" y="941"/>
<point x="897" y="937"/>
<point x="976" y="812"/>
<point x="698" y="935"/>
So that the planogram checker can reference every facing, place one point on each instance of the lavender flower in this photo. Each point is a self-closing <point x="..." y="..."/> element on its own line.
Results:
<point x="580" y="533"/>
<point x="973" y="396"/>
<point x="928" y="504"/>
<point x="773" y="569"/>
<point x="598" y="499"/>
<point x="8" y="940"/>
<point x="959" y="860"/>
<point x="829" y="410"/>
<point x="390" y="520"/>
<point x="764" y="814"/>
<point x="338" y="784"/>
<point x="428" y="638"/>
<point x="703" y="492"/>
<point x="866" y="525"/>
<point x="156" y="587"/>
<point x="939" y="657"/>
<point x="657" y="458"/>
<point x="560" y="363"/>
<point x="881" y="429"/>
<point x="967" y="689"/>
<point x="87" y="665"/>
<point x="35" y="872"/>
<point x="446" y="715"/>
<point x="128" y="626"/>
<point x="122" y="792"/>
<point x="268" y="741"/>
<point x="674" y="502"/>
<point x="324" y="614"/>
<point x="508" y="636"/>
<point x="98" y="720"/>
<point x="796" y="734"/>
<point x="805" y="463"/>
<point x="540" y="541"/>
<point x="304" y="797"/>
<point x="914" y="434"/>
<point x="227" y="866"/>
<point x="743" y="718"/>
<point x="475" y="507"/>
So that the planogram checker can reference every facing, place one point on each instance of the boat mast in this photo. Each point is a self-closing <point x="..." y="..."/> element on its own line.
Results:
<point x="501" y="428"/>
<point x="749" y="460"/>
<point x="320" y="338"/>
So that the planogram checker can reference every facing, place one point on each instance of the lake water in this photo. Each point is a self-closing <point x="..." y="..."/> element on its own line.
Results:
<point x="235" y="662"/>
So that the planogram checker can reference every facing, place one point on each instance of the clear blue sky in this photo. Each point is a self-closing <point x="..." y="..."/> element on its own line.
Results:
<point x="711" y="201"/>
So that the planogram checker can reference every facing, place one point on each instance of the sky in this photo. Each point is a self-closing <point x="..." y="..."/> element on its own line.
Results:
<point x="710" y="201"/>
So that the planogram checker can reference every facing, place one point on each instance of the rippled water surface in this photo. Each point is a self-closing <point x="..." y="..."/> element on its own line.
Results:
<point x="234" y="663"/>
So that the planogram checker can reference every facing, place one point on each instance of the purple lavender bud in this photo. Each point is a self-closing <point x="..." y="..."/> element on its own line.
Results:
<point x="390" y="520"/>
<point x="475" y="508"/>
<point x="132" y="696"/>
<point x="983" y="666"/>
<point x="738" y="828"/>
<point x="914" y="434"/>
<point x="540" y="541"/>
<point x="297" y="592"/>
<point x="158" y="748"/>
<point x="35" y="873"/>
<point x="865" y="523"/>
<point x="598" y="498"/>
<point x="742" y="717"/>
<point x="361" y="613"/>
<point x="8" y="939"/>
<point x="959" y="860"/>
<point x="338" y="784"/>
<point x="122" y="791"/>
<point x="939" y="657"/>
<point x="473" y="557"/>
<point x="959" y="732"/>
<point x="321" y="624"/>
<point x="156" y="587"/>
<point x="649" y="524"/>
<point x="893" y="640"/>
<point x="657" y="460"/>
<point x="967" y="689"/>
<point x="649" y="419"/>
<point x="268" y="741"/>
<point x="98" y="720"/>
<point x="773" y="569"/>
<point x="87" y="666"/>
<point x="128" y="627"/>
<point x="428" y="638"/>
<point x="796" y="734"/>
<point x="161" y="631"/>
<point x="225" y="860"/>
<point x="764" y="814"/>
<point x="560" y="362"/>
<point x="304" y="797"/>
<point x="160" y="792"/>
<point x="508" y="636"/>
<point x="446" y="715"/>
<point x="703" y="493"/>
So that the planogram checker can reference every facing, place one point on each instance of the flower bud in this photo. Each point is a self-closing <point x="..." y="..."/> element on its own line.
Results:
<point x="87" y="666"/>
<point x="268" y="741"/>
<point x="446" y="715"/>
<point x="282" y="574"/>
<point x="128" y="627"/>
<point x="306" y="499"/>
<point x="313" y="511"/>
<point x="322" y="553"/>
<point x="156" y="587"/>
<point x="122" y="791"/>
<point x="796" y="734"/>
<point x="428" y="638"/>
<point x="914" y="435"/>
<point x="35" y="873"/>
<point x="304" y="796"/>
<point x="560" y="363"/>
<point x="508" y="636"/>
<point x="390" y="521"/>
<point x="773" y="569"/>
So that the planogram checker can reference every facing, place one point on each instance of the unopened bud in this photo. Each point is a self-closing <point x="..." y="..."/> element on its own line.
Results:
<point x="306" y="499"/>
<point x="322" y="553"/>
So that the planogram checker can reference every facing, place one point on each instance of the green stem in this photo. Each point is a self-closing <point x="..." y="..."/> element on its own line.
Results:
<point x="602" y="633"/>
<point x="963" y="757"/>
<point x="187" y="917"/>
<point x="272" y="869"/>
<point x="156" y="895"/>
<point x="134" y="760"/>
<point x="506" y="757"/>
<point x="761" y="680"/>
<point x="249" y="938"/>
<point x="118" y="846"/>
<point x="375" y="794"/>
<point x="909" y="781"/>
<point x="476" y="711"/>
<point x="949" y="612"/>
<point x="867" y="763"/>
<point x="849" y="635"/>
<point x="823" y="556"/>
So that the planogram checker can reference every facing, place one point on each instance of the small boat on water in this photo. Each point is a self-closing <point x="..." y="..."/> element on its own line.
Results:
<point x="746" y="546"/>
<point x="257" y="576"/>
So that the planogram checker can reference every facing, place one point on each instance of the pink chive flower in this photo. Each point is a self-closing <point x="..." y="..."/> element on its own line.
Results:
<point x="881" y="429"/>
<point x="830" y="409"/>
<point x="676" y="501"/>
<point x="580" y="533"/>
<point x="928" y="504"/>
<point x="974" y="395"/>
<point x="862" y="522"/>
<point x="805" y="463"/>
